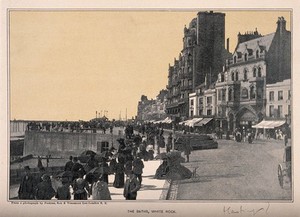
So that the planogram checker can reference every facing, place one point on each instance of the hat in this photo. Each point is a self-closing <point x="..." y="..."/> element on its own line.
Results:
<point x="27" y="168"/>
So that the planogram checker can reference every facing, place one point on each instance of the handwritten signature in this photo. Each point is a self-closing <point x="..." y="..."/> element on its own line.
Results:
<point x="227" y="210"/>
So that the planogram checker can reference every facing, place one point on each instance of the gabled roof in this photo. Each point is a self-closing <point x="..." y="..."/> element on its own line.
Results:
<point x="264" y="41"/>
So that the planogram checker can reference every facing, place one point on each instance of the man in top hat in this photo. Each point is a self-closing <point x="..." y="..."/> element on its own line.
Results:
<point x="27" y="185"/>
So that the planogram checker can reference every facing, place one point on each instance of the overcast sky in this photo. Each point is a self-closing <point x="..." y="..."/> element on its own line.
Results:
<point x="67" y="65"/>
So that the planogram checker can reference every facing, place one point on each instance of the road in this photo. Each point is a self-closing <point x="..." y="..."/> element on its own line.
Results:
<point x="235" y="171"/>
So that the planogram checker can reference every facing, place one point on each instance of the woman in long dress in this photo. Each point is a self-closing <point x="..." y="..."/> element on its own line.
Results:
<point x="119" y="175"/>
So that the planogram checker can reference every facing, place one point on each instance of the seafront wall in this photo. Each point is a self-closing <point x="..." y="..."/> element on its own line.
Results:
<point x="63" y="144"/>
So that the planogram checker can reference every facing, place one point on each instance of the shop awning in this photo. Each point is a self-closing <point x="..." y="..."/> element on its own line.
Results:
<point x="203" y="122"/>
<point x="183" y="122"/>
<point x="269" y="124"/>
<point x="167" y="120"/>
<point x="192" y="122"/>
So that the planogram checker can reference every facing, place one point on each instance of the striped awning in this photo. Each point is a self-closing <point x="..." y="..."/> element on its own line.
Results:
<point x="269" y="124"/>
<point x="203" y="122"/>
<point x="192" y="122"/>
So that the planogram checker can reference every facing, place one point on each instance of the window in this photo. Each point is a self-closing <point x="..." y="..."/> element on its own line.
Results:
<point x="208" y="112"/>
<point x="219" y="95"/>
<point x="209" y="100"/>
<point x="232" y="76"/>
<point x="219" y="112"/>
<point x="234" y="59"/>
<point x="192" y="113"/>
<point x="257" y="54"/>
<point x="259" y="72"/>
<point x="200" y="101"/>
<point x="246" y="57"/>
<point x="245" y="93"/>
<point x="271" y="111"/>
<point x="271" y="96"/>
<point x="279" y="111"/>
<point x="237" y="76"/>
<point x="245" y="74"/>
<point x="289" y="94"/>
<point x="230" y="92"/>
<point x="222" y="77"/>
<point x="224" y="95"/>
<point x="192" y="102"/>
<point x="280" y="95"/>
<point x="200" y="112"/>
<point x="254" y="72"/>
<point x="252" y="92"/>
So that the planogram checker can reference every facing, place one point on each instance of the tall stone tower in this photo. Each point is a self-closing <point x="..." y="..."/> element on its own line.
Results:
<point x="210" y="46"/>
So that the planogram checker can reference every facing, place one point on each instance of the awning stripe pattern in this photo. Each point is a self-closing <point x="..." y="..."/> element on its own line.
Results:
<point x="191" y="122"/>
<point x="269" y="124"/>
<point x="204" y="121"/>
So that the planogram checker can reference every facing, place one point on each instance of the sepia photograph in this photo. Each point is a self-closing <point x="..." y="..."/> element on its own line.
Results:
<point x="151" y="106"/>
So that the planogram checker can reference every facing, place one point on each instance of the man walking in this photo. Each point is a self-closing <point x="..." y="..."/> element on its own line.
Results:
<point x="137" y="169"/>
<point x="131" y="187"/>
<point x="27" y="186"/>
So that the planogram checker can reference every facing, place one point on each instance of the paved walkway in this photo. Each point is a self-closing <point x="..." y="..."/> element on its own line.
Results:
<point x="152" y="189"/>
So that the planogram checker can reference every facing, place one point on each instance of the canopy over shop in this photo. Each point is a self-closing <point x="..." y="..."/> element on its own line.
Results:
<point x="269" y="127"/>
<point x="191" y="123"/>
<point x="203" y="122"/>
<point x="269" y="124"/>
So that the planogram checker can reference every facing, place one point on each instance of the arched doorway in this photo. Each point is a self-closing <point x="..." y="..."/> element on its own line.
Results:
<point x="246" y="117"/>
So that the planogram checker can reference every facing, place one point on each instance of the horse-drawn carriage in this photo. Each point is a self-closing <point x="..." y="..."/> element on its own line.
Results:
<point x="285" y="169"/>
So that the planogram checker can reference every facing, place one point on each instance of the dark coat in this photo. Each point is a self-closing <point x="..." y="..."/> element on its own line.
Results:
<point x="132" y="185"/>
<point x="27" y="187"/>
<point x="69" y="165"/>
<point x="63" y="192"/>
<point x="44" y="191"/>
<point x="138" y="166"/>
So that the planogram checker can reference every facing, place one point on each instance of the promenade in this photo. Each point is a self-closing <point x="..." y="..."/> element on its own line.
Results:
<point x="151" y="189"/>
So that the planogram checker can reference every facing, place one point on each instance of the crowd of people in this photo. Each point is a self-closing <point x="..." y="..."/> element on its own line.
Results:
<point x="90" y="180"/>
<point x="101" y="125"/>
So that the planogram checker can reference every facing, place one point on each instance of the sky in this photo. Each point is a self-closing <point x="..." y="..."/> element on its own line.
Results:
<point x="66" y="65"/>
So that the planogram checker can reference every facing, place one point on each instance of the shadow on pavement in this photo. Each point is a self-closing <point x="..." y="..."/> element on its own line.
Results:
<point x="208" y="178"/>
<point x="150" y="176"/>
<point x="116" y="194"/>
<point x="150" y="187"/>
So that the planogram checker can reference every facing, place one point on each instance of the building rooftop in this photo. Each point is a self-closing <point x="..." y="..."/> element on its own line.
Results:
<point x="263" y="42"/>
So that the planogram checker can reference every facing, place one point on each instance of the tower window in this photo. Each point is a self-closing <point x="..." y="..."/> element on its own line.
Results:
<point x="245" y="93"/>
<point x="259" y="72"/>
<point x="254" y="72"/>
<point x="245" y="74"/>
<point x="237" y="76"/>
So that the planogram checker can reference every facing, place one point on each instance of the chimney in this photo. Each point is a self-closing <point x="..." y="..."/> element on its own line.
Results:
<point x="227" y="44"/>
<point x="281" y="25"/>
